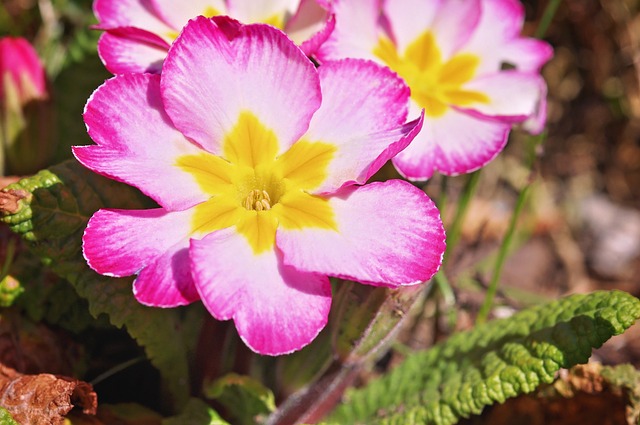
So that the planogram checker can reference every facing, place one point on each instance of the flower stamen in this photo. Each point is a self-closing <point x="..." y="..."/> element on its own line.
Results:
<point x="258" y="200"/>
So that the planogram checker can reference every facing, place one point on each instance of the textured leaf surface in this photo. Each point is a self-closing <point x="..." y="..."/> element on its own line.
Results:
<point x="492" y="362"/>
<point x="47" y="297"/>
<point x="52" y="219"/>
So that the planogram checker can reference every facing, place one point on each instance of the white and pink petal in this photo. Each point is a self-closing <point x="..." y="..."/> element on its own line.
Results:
<point x="177" y="13"/>
<point x="409" y="19"/>
<point x="456" y="143"/>
<point x="535" y="124"/>
<point x="364" y="108"/>
<point x="276" y="308"/>
<point x="254" y="11"/>
<point x="219" y="68"/>
<point x="137" y="143"/>
<point x="357" y="30"/>
<point x="497" y="39"/>
<point x="513" y="95"/>
<point x="151" y="243"/>
<point x="123" y="53"/>
<point x="388" y="234"/>
<point x="455" y="24"/>
<point x="310" y="26"/>
<point x="129" y="13"/>
<point x="527" y="54"/>
<point x="500" y="23"/>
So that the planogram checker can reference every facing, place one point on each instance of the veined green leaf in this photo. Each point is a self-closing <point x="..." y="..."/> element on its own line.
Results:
<point x="490" y="363"/>
<point x="51" y="218"/>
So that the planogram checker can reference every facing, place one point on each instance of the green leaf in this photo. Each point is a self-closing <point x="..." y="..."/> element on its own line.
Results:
<point x="6" y="418"/>
<point x="52" y="218"/>
<point x="244" y="397"/>
<point x="57" y="303"/>
<point x="47" y="297"/>
<point x="196" y="412"/>
<point x="492" y="362"/>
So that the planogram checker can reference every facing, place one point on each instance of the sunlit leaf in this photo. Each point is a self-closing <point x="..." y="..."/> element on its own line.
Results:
<point x="491" y="363"/>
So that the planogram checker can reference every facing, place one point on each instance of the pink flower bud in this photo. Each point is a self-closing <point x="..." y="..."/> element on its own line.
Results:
<point x="26" y="121"/>
<point x="21" y="70"/>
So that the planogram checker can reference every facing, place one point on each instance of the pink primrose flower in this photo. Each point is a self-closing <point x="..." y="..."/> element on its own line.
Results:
<point x="139" y="32"/>
<point x="23" y="76"/>
<point x="466" y="64"/>
<point x="258" y="161"/>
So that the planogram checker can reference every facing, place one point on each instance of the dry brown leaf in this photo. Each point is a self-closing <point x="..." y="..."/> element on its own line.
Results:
<point x="9" y="200"/>
<point x="43" y="399"/>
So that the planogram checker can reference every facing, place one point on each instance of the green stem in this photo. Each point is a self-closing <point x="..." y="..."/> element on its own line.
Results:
<point x="452" y="238"/>
<point x="463" y="206"/>
<point x="448" y="296"/>
<point x="502" y="256"/>
<point x="545" y="21"/>
<point x="117" y="368"/>
<point x="534" y="141"/>
<point x="547" y="18"/>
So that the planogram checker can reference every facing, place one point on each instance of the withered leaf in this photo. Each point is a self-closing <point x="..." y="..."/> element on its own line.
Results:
<point x="9" y="200"/>
<point x="43" y="399"/>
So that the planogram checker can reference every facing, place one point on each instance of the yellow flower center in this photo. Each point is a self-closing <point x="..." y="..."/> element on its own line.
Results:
<point x="208" y="12"/>
<point x="277" y="20"/>
<point x="257" y="191"/>
<point x="435" y="84"/>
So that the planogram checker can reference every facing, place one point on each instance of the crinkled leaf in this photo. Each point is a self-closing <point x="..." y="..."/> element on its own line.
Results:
<point x="43" y="399"/>
<point x="244" y="397"/>
<point x="52" y="218"/>
<point x="196" y="412"/>
<point x="492" y="362"/>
